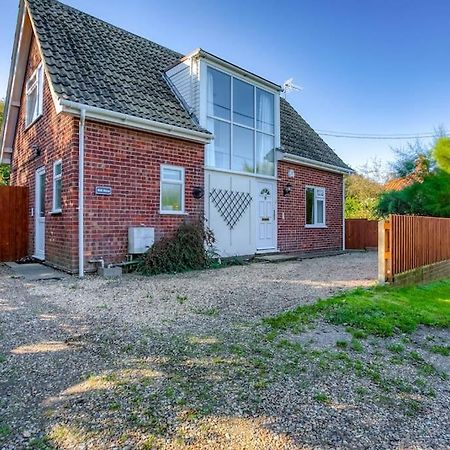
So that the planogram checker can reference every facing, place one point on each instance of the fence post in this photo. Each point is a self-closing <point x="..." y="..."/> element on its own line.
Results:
<point x="384" y="251"/>
<point x="381" y="248"/>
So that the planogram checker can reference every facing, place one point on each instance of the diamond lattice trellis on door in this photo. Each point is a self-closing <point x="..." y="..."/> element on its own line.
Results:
<point x="231" y="205"/>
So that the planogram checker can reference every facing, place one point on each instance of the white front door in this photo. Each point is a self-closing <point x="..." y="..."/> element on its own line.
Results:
<point x="265" y="239"/>
<point x="39" y="214"/>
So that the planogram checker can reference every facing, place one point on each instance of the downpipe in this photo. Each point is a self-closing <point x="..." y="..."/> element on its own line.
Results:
<point x="81" y="194"/>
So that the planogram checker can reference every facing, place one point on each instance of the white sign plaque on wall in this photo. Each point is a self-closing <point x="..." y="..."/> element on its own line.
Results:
<point x="103" y="190"/>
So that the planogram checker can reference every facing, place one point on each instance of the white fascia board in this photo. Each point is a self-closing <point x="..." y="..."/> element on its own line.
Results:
<point x="24" y="30"/>
<point x="314" y="164"/>
<point x="5" y="138"/>
<point x="126" y="120"/>
<point x="233" y="68"/>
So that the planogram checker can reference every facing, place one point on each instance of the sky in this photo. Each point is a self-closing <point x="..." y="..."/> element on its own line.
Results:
<point x="369" y="67"/>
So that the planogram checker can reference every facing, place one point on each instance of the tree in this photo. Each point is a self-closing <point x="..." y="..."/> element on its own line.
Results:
<point x="428" y="197"/>
<point x="4" y="168"/>
<point x="406" y="157"/>
<point x="441" y="154"/>
<point x="362" y="190"/>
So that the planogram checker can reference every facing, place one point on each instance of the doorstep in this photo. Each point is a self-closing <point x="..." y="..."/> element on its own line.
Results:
<point x="283" y="257"/>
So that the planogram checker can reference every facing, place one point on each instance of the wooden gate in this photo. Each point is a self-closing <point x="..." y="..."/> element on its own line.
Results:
<point x="361" y="234"/>
<point x="13" y="222"/>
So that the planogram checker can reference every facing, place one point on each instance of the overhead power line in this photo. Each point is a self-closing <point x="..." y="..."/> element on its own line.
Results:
<point x="349" y="135"/>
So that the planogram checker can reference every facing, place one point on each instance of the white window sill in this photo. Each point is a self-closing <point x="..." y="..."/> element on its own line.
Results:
<point x="56" y="211"/>
<point x="33" y="121"/>
<point x="316" y="226"/>
<point x="173" y="213"/>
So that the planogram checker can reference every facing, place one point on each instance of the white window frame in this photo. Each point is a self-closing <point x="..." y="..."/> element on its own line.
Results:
<point x="176" y="182"/>
<point x="253" y="128"/>
<point x="36" y="81"/>
<point x="315" y="201"/>
<point x="55" y="178"/>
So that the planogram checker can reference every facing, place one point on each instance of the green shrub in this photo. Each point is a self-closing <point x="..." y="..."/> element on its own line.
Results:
<point x="190" y="248"/>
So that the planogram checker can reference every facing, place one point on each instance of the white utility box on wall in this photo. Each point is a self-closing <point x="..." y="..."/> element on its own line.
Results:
<point x="140" y="239"/>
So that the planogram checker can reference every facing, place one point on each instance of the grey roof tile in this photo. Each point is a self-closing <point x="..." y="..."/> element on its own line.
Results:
<point x="98" y="64"/>
<point x="298" y="138"/>
<point x="95" y="63"/>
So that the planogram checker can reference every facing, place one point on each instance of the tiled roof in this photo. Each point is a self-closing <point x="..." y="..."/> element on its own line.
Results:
<point x="97" y="64"/>
<point x="421" y="170"/>
<point x="298" y="138"/>
<point x="397" y="184"/>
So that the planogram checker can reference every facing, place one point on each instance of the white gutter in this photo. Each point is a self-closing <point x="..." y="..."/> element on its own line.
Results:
<point x="127" y="120"/>
<point x="315" y="164"/>
<point x="81" y="194"/>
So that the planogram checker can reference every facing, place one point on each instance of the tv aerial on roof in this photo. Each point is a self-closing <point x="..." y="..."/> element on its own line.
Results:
<point x="289" y="86"/>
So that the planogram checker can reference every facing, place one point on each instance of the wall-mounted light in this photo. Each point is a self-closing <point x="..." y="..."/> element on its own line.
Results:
<point x="36" y="150"/>
<point x="287" y="189"/>
<point x="198" y="192"/>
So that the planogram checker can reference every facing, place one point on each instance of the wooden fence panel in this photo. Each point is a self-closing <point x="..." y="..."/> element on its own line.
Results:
<point x="414" y="241"/>
<point x="361" y="234"/>
<point x="13" y="222"/>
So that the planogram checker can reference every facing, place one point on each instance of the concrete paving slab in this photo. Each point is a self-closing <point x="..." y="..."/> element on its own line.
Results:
<point x="36" y="271"/>
<point x="283" y="257"/>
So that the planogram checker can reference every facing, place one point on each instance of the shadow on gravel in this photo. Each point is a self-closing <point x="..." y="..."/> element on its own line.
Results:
<point x="69" y="383"/>
<point x="239" y="390"/>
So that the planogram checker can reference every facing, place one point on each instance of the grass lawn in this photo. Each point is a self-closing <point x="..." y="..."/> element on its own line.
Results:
<point x="382" y="310"/>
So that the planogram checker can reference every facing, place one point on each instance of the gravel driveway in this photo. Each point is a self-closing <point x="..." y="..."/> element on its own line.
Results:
<point x="237" y="293"/>
<point x="184" y="362"/>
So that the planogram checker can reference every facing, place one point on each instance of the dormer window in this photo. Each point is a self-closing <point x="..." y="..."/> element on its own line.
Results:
<point x="34" y="96"/>
<point x="242" y="118"/>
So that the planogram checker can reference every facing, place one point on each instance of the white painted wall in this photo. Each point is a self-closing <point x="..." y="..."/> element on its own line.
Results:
<point x="185" y="78"/>
<point x="242" y="239"/>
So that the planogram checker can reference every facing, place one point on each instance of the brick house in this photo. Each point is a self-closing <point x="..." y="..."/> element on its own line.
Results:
<point x="111" y="131"/>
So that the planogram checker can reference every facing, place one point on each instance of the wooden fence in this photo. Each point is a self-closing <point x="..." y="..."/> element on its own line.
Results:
<point x="13" y="222"/>
<point x="410" y="242"/>
<point x="361" y="234"/>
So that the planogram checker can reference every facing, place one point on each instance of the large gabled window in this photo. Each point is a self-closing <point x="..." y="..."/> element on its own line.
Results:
<point x="242" y="118"/>
<point x="34" y="96"/>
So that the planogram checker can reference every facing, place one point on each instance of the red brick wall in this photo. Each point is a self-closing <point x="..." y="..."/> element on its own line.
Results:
<point x="129" y="162"/>
<point x="292" y="233"/>
<point x="54" y="136"/>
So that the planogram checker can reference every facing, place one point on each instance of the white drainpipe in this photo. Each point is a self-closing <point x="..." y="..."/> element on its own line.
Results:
<point x="81" y="194"/>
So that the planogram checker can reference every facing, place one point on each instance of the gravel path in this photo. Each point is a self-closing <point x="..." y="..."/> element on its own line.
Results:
<point x="183" y="362"/>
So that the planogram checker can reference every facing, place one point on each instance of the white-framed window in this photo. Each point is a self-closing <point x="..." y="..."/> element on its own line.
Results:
<point x="242" y="118"/>
<point x="315" y="206"/>
<point x="34" y="96"/>
<point x="57" y="175"/>
<point x="172" y="190"/>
